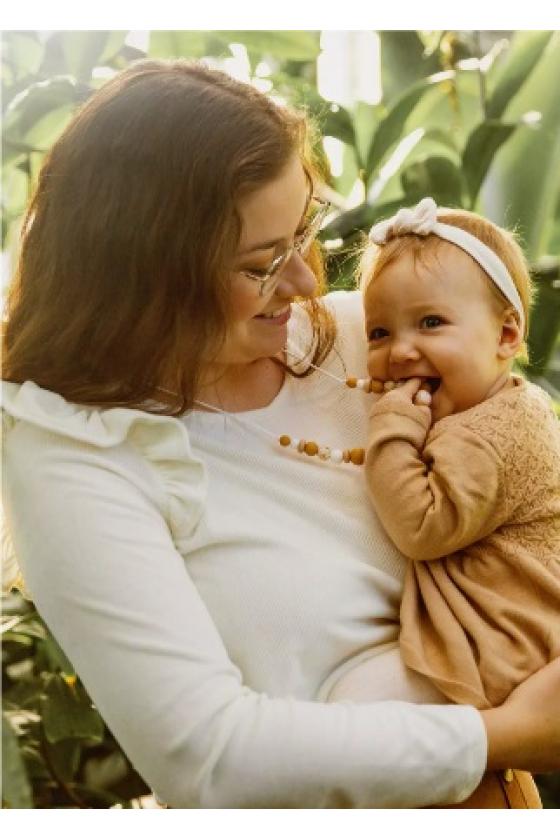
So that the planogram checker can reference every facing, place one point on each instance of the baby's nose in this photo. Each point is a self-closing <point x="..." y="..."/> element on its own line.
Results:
<point x="404" y="350"/>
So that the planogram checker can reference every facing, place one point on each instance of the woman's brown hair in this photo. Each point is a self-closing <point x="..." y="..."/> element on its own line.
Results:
<point x="123" y="274"/>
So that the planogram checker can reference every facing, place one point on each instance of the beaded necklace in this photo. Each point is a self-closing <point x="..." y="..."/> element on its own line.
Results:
<point x="311" y="448"/>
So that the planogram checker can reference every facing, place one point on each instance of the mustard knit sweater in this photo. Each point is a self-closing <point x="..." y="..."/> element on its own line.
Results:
<point x="475" y="503"/>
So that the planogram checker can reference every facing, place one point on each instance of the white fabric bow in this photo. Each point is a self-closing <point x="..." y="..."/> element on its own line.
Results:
<point x="420" y="219"/>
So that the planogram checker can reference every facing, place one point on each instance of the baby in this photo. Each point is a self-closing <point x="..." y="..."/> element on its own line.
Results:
<point x="463" y="458"/>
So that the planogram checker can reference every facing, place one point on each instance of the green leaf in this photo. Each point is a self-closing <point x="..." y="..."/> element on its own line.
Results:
<point x="344" y="183"/>
<point x="106" y="771"/>
<point x="391" y="128"/>
<point x="24" y="695"/>
<point x="16" y="790"/>
<point x="64" y="757"/>
<point x="523" y="184"/>
<point x="545" y="318"/>
<point x="282" y="44"/>
<point x="67" y="712"/>
<point x="55" y="656"/>
<point x="38" y="100"/>
<point x="46" y="131"/>
<point x="404" y="60"/>
<point x="482" y="145"/>
<point x="177" y="44"/>
<point x="113" y="45"/>
<point x="366" y="120"/>
<point x="348" y="223"/>
<point x="524" y="54"/>
<point x="436" y="176"/>
<point x="338" y="123"/>
<point x="82" y="51"/>
<point x="440" y="135"/>
<point x="23" y="52"/>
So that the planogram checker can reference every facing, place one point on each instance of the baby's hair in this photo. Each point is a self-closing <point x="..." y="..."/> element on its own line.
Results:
<point x="503" y="242"/>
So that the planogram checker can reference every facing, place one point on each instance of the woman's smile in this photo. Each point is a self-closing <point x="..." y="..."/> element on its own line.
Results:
<point x="277" y="318"/>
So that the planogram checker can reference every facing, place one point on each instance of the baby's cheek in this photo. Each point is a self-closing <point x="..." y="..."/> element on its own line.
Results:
<point x="375" y="364"/>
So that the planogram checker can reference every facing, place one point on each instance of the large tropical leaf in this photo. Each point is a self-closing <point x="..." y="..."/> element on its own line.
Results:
<point x="366" y="121"/>
<point x="523" y="182"/>
<point x="22" y="54"/>
<point x="16" y="790"/>
<point x="38" y="100"/>
<point x="177" y="44"/>
<point x="85" y="50"/>
<point x="482" y="145"/>
<point x="338" y="123"/>
<point x="391" y="128"/>
<point x="436" y="176"/>
<point x="67" y="712"/>
<point x="514" y="70"/>
<point x="76" y="53"/>
<point x="282" y="44"/>
<point x="404" y="60"/>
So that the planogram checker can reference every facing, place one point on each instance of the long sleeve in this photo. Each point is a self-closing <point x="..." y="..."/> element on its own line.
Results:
<point x="434" y="494"/>
<point x="90" y="530"/>
<point x="478" y="498"/>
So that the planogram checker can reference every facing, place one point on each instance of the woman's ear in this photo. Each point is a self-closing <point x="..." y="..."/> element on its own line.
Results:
<point x="511" y="337"/>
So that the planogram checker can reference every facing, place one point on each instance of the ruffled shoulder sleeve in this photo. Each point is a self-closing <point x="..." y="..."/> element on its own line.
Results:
<point x="161" y="441"/>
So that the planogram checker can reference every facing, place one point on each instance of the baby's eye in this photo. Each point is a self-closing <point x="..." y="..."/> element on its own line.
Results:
<point x="430" y="322"/>
<point x="377" y="333"/>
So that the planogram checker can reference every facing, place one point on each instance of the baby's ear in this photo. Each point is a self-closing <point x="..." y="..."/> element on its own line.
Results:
<point x="511" y="337"/>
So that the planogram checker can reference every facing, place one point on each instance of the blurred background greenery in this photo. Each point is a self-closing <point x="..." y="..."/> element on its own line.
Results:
<point x="471" y="118"/>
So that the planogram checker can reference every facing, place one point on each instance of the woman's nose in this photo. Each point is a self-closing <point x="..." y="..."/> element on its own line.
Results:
<point x="296" y="278"/>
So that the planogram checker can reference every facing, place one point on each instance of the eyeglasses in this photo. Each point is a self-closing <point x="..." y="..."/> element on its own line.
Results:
<point x="268" y="278"/>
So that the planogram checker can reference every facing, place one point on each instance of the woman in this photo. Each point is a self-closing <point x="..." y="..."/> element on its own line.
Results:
<point x="209" y="586"/>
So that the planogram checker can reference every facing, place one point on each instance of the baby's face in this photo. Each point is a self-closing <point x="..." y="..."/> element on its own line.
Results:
<point x="436" y="321"/>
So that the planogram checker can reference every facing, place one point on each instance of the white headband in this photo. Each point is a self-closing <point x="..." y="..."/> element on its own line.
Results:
<point x="422" y="220"/>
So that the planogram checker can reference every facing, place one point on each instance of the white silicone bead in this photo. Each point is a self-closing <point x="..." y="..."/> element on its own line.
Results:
<point x="363" y="384"/>
<point x="423" y="398"/>
<point x="336" y="456"/>
<point x="295" y="443"/>
<point x="324" y="453"/>
<point x="389" y="385"/>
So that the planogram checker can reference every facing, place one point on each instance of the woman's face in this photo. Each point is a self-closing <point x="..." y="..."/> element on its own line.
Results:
<point x="270" y="217"/>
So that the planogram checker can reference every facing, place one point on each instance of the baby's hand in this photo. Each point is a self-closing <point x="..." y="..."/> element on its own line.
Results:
<point x="408" y="390"/>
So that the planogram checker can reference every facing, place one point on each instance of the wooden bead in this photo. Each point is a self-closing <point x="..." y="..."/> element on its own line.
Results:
<point x="389" y="385"/>
<point x="376" y="386"/>
<point x="285" y="440"/>
<point x="311" y="448"/>
<point x="357" y="456"/>
<point x="352" y="382"/>
<point x="346" y="456"/>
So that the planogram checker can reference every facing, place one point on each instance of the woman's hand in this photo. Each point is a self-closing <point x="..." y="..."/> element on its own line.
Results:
<point x="524" y="732"/>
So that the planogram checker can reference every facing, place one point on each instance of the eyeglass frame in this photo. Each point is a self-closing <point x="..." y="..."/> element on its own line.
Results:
<point x="302" y="242"/>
